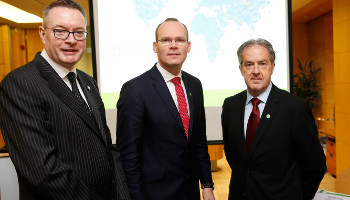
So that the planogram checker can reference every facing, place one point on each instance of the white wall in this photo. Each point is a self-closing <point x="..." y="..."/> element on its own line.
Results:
<point x="9" y="189"/>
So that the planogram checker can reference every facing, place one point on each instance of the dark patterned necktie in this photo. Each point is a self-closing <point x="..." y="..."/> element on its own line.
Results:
<point x="181" y="99"/>
<point x="75" y="90"/>
<point x="253" y="122"/>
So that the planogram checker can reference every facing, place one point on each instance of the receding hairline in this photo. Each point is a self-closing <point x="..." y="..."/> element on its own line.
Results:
<point x="171" y="20"/>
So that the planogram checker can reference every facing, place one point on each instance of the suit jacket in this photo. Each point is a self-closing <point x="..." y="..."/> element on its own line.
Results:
<point x="158" y="160"/>
<point x="58" y="150"/>
<point x="286" y="160"/>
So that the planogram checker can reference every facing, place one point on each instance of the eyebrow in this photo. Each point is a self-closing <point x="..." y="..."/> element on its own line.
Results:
<point x="63" y="27"/>
<point x="248" y="61"/>
<point x="177" y="37"/>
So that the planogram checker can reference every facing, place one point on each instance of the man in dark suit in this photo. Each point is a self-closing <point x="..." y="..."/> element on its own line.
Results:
<point x="271" y="146"/>
<point x="53" y="118"/>
<point x="161" y="125"/>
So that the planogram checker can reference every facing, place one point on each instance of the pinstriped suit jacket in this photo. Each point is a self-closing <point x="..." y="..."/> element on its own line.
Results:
<point x="58" y="150"/>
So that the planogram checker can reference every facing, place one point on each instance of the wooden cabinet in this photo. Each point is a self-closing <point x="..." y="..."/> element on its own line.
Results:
<point x="331" y="156"/>
<point x="2" y="143"/>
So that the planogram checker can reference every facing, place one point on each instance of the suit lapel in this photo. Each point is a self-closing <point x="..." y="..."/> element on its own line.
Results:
<point x="241" y="110"/>
<point x="61" y="90"/>
<point x="163" y="91"/>
<point x="270" y="110"/>
<point x="190" y="105"/>
<point x="93" y="105"/>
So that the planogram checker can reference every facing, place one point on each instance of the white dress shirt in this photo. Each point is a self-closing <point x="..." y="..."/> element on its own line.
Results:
<point x="167" y="78"/>
<point x="249" y="106"/>
<point x="63" y="72"/>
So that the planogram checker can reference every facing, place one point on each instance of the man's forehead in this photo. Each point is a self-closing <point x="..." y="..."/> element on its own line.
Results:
<point x="58" y="18"/>
<point x="167" y="27"/>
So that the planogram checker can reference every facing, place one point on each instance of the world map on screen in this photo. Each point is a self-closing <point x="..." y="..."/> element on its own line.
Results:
<point x="208" y="13"/>
<point x="126" y="32"/>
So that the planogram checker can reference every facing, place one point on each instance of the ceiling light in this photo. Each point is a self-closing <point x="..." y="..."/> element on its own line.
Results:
<point x="17" y="15"/>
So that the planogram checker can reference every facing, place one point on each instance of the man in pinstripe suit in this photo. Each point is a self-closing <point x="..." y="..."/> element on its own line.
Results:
<point x="58" y="140"/>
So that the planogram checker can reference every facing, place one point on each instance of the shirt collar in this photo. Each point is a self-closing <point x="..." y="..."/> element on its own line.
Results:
<point x="166" y="75"/>
<point x="61" y="71"/>
<point x="262" y="97"/>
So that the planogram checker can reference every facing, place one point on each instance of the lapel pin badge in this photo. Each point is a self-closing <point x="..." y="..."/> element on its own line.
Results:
<point x="88" y="87"/>
<point x="268" y="116"/>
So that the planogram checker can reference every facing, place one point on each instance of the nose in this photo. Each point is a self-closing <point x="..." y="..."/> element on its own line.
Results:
<point x="71" y="38"/>
<point x="173" y="44"/>
<point x="256" y="69"/>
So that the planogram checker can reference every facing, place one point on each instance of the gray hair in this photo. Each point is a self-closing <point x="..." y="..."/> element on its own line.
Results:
<point x="167" y="20"/>
<point x="259" y="41"/>
<point x="62" y="3"/>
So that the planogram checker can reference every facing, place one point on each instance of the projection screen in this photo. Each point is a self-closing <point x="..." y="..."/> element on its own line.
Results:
<point x="125" y="30"/>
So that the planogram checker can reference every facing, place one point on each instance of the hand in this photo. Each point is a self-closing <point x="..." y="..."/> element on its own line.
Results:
<point x="208" y="194"/>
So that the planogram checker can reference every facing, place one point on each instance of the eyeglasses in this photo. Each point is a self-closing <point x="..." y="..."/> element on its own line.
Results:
<point x="167" y="42"/>
<point x="64" y="34"/>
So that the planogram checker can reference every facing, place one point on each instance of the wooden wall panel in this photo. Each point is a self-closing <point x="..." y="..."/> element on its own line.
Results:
<point x="34" y="43"/>
<point x="18" y="47"/>
<point x="341" y="31"/>
<point x="5" y="51"/>
<point x="2" y="143"/>
<point x="313" y="40"/>
<point x="300" y="50"/>
<point x="5" y="58"/>
<point x="320" y="50"/>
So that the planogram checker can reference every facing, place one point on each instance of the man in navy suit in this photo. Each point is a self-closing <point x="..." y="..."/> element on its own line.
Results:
<point x="282" y="158"/>
<point x="53" y="118"/>
<point x="162" y="136"/>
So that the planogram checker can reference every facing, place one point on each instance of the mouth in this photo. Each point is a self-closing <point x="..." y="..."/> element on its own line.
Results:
<point x="69" y="50"/>
<point x="255" y="79"/>
<point x="173" y="54"/>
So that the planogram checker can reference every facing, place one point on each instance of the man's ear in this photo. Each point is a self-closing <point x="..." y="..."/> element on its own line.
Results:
<point x="155" y="47"/>
<point x="189" y="47"/>
<point x="42" y="34"/>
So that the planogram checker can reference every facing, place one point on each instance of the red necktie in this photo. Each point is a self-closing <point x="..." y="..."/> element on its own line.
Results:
<point x="253" y="122"/>
<point x="181" y="99"/>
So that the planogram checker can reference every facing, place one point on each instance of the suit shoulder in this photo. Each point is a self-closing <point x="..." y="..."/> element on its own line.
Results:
<point x="289" y="97"/>
<point x="138" y="83"/>
<point x="188" y="75"/>
<point x="25" y="71"/>
<point x="235" y="98"/>
<point x="139" y="79"/>
<point x="84" y="75"/>
<point x="291" y="101"/>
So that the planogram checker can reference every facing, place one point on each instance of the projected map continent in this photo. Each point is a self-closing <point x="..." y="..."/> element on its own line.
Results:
<point x="208" y="13"/>
<point x="216" y="29"/>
